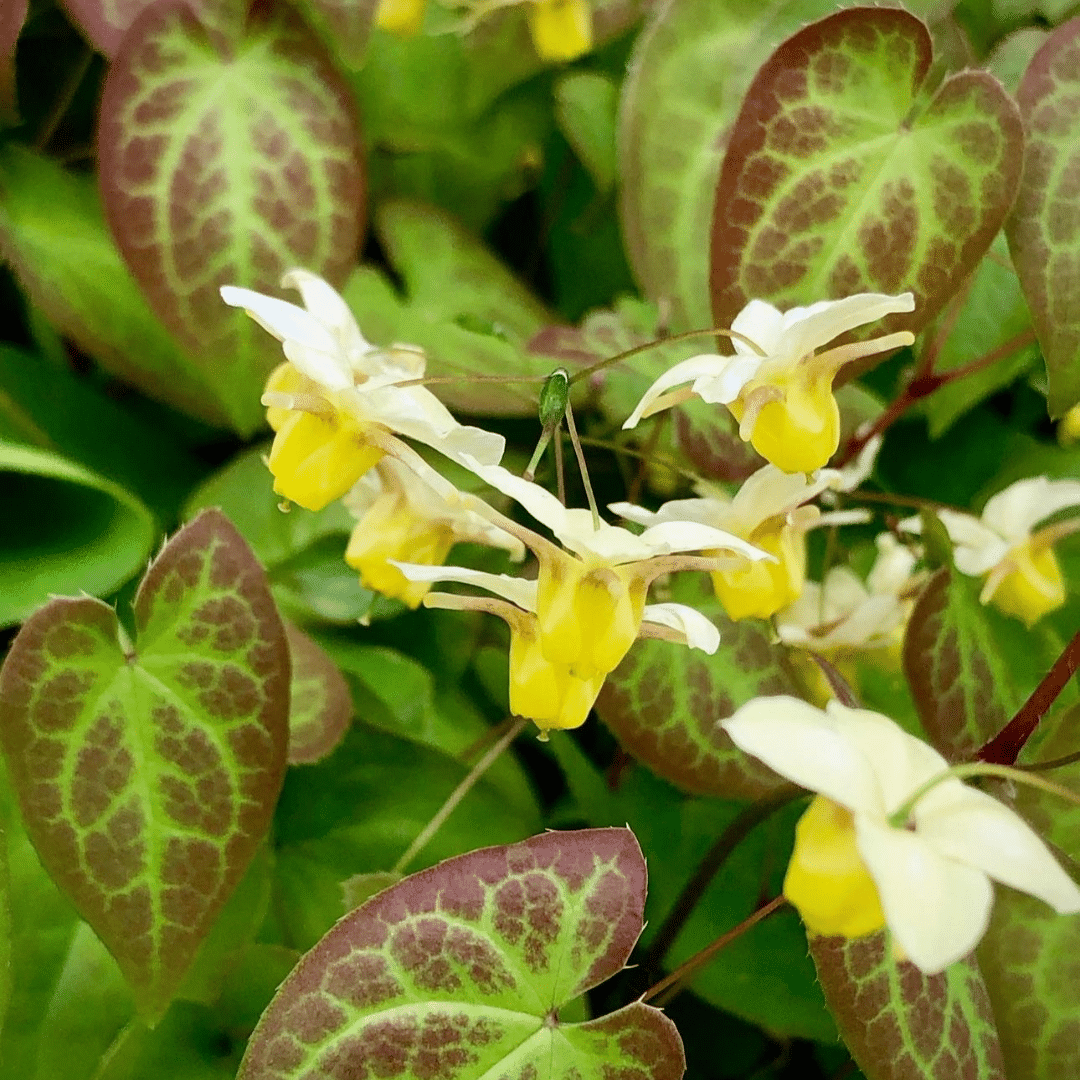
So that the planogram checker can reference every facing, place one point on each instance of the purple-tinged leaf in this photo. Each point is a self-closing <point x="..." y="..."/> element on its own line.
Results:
<point x="147" y="773"/>
<point x="664" y="703"/>
<point x="320" y="707"/>
<point x="1044" y="228"/>
<point x="458" y="972"/>
<point x="844" y="175"/>
<point x="344" y="25"/>
<point x="227" y="166"/>
<point x="956" y="665"/>
<point x="105" y="22"/>
<point x="900" y="1024"/>
<point x="688" y="72"/>
<point x="12" y="17"/>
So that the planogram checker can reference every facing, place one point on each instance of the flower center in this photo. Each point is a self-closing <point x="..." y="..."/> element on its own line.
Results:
<point x="827" y="881"/>
<point x="760" y="589"/>
<point x="1034" y="587"/>
<point x="561" y="29"/>
<point x="546" y="693"/>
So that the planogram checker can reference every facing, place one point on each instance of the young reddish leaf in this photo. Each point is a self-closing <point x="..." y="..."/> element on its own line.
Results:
<point x="844" y="175"/>
<point x="227" y="165"/>
<point x="12" y="17"/>
<point x="1042" y="229"/>
<point x="147" y="773"/>
<point x="320" y="706"/>
<point x="955" y="665"/>
<point x="105" y="22"/>
<point x="902" y="1025"/>
<point x="459" y="972"/>
<point x="664" y="704"/>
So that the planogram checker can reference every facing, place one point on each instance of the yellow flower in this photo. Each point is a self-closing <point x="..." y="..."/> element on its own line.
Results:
<point x="855" y="868"/>
<point x="573" y="625"/>
<point x="401" y="518"/>
<point x="400" y="16"/>
<point x="768" y="512"/>
<point x="1022" y="574"/>
<point x="336" y="405"/>
<point x="777" y="385"/>
<point x="561" y="29"/>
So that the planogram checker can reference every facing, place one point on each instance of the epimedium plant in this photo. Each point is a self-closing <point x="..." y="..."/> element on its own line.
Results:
<point x="261" y="813"/>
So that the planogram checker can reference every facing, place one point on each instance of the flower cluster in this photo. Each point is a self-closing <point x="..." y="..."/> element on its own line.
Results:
<point x="892" y="838"/>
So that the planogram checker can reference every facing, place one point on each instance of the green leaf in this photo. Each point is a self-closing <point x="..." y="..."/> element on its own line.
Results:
<point x="845" y="172"/>
<point x="66" y="530"/>
<point x="461" y="305"/>
<point x="460" y="971"/>
<point x="665" y="702"/>
<point x="227" y="163"/>
<point x="52" y="408"/>
<point x="1042" y="235"/>
<point x="955" y="659"/>
<point x="993" y="313"/>
<point x="902" y="1025"/>
<point x="585" y="108"/>
<point x="54" y="236"/>
<point x="344" y="26"/>
<point x="320" y="708"/>
<point x="687" y="76"/>
<point x="1013" y="54"/>
<point x="147" y="773"/>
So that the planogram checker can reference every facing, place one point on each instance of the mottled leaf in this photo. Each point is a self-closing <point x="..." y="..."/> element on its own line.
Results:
<point x="460" y="970"/>
<point x="664" y="702"/>
<point x="227" y="164"/>
<point x="12" y="17"/>
<point x="147" y="772"/>
<point x="461" y="305"/>
<point x="585" y="104"/>
<point x="843" y="174"/>
<point x="956" y="664"/>
<point x="1012" y="55"/>
<point x="1044" y="229"/>
<point x="46" y="214"/>
<point x="688" y="73"/>
<point x="105" y="22"/>
<point x="900" y="1024"/>
<point x="5" y="922"/>
<point x="66" y="530"/>
<point x="993" y="314"/>
<point x="319" y="704"/>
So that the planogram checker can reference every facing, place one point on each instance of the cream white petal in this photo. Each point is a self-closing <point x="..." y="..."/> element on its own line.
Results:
<point x="326" y="304"/>
<point x="893" y="566"/>
<point x="519" y="591"/>
<point x="978" y="548"/>
<point x="707" y="511"/>
<point x="975" y="828"/>
<point x="811" y="328"/>
<point x="707" y="364"/>
<point x="769" y="492"/>
<point x="1014" y="512"/>
<point x="724" y="387"/>
<point x="900" y="762"/>
<point x="937" y="909"/>
<point x="670" y="537"/>
<point x="855" y="472"/>
<point x="699" y="632"/>
<point x="802" y="743"/>
<point x="316" y="349"/>
<point x="762" y="324"/>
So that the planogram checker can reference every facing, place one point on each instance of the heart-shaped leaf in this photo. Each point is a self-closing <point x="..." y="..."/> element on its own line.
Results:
<point x="460" y="971"/>
<point x="900" y="1024"/>
<point x="227" y="163"/>
<point x="320" y="706"/>
<point x="105" y="22"/>
<point x="688" y="73"/>
<point x="664" y="703"/>
<point x="147" y="773"/>
<point x="844" y="175"/>
<point x="956" y="666"/>
<point x="1042" y="230"/>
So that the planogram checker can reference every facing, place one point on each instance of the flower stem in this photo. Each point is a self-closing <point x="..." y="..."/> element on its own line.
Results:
<point x="900" y="817"/>
<point x="456" y="796"/>
<point x="673" y="983"/>
<point x="584" y="469"/>
<point x="737" y="830"/>
<point x="1004" y="748"/>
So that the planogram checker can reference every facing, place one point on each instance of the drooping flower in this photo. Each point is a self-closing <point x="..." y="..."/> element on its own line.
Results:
<point x="1023" y="577"/>
<point x="590" y="593"/>
<point x="336" y="405"/>
<point x="770" y="512"/>
<point x="553" y="694"/>
<point x="402" y="518"/>
<point x="856" y="869"/>
<point x="779" y="387"/>
<point x="843" y="614"/>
